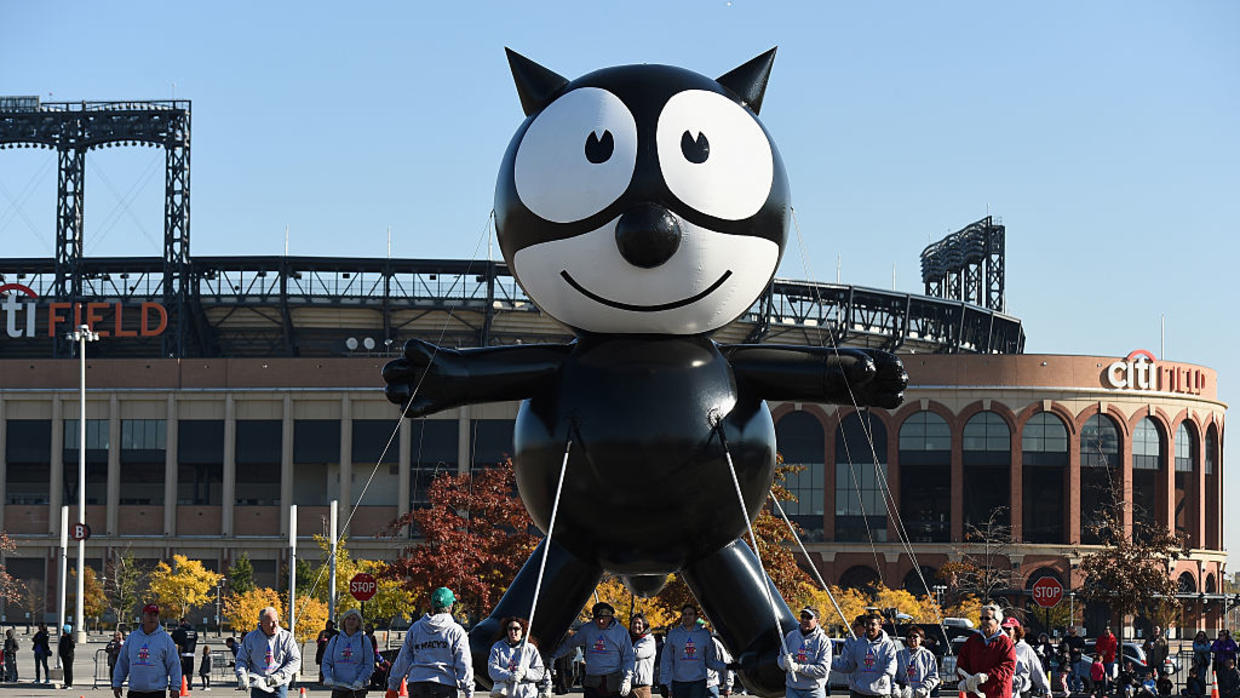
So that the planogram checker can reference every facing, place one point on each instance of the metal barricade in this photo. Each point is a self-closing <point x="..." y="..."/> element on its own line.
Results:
<point x="101" y="669"/>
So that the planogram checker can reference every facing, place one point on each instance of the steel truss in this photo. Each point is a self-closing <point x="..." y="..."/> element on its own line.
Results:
<point x="968" y="265"/>
<point x="306" y="306"/>
<point x="72" y="128"/>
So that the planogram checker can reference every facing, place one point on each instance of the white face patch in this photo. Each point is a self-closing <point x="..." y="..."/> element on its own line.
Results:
<point x="577" y="156"/>
<point x="584" y="282"/>
<point x="714" y="155"/>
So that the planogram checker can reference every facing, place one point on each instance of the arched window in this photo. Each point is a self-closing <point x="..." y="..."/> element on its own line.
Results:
<point x="800" y="439"/>
<point x="926" y="477"/>
<point x="1044" y="457"/>
<point x="859" y="577"/>
<point x="1100" y="454"/>
<point x="1148" y="455"/>
<point x="1187" y="584"/>
<point x="1212" y="455"/>
<point x="1186" y="459"/>
<point x="987" y="470"/>
<point x="860" y="500"/>
<point x="1185" y="449"/>
<point x="914" y="584"/>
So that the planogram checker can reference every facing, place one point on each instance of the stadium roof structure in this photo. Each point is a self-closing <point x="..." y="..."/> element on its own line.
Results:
<point x="313" y="306"/>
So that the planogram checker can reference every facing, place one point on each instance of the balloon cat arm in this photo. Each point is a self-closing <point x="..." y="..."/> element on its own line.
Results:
<point x="876" y="378"/>
<point x="438" y="378"/>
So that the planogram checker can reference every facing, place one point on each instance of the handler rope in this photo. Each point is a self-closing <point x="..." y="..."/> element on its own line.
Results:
<point x="727" y="452"/>
<point x="542" y="564"/>
<point x="812" y="566"/>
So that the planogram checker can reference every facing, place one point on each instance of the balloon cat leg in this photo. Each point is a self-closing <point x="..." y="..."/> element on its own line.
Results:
<point x="731" y="587"/>
<point x="567" y="584"/>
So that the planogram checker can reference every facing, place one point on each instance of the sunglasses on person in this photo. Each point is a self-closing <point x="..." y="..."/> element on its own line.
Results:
<point x="514" y="627"/>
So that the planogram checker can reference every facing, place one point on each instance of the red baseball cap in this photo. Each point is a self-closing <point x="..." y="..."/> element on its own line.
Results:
<point x="150" y="608"/>
<point x="1011" y="622"/>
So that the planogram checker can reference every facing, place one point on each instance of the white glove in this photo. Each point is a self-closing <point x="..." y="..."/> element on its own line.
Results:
<point x="921" y="693"/>
<point x="970" y="684"/>
<point x="981" y="679"/>
<point x="905" y="691"/>
<point x="273" y="681"/>
<point x="625" y="686"/>
<point x="243" y="680"/>
<point x="545" y="692"/>
<point x="518" y="674"/>
<point x="790" y="666"/>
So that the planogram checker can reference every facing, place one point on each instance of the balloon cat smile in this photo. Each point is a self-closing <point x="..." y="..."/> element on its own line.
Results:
<point x="644" y="207"/>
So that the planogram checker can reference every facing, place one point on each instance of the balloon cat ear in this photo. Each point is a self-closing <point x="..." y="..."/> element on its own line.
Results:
<point x="535" y="84"/>
<point x="749" y="80"/>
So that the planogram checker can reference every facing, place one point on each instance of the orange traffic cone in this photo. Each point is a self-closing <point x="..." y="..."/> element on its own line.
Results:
<point x="404" y="690"/>
<point x="1214" y="691"/>
<point x="301" y="692"/>
<point x="184" y="687"/>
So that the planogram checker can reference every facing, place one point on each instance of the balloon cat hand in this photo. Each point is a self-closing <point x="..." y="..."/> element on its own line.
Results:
<point x="885" y="385"/>
<point x="430" y="378"/>
<point x="868" y="377"/>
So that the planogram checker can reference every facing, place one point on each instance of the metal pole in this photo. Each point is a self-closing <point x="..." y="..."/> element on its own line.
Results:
<point x="331" y="580"/>
<point x="64" y="571"/>
<point x="292" y="570"/>
<point x="79" y="626"/>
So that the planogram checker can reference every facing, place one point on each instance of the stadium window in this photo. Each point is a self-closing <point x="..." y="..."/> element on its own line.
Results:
<point x="1100" y="454"/>
<point x="142" y="461"/>
<point x="200" y="462"/>
<point x="96" y="461"/>
<point x="28" y="457"/>
<point x="860" y="502"/>
<point x="926" y="477"/>
<point x="490" y="441"/>
<point x="987" y="468"/>
<point x="1044" y="458"/>
<point x="1148" y="455"/>
<point x="802" y="442"/>
<point x="258" y="462"/>
<point x="369" y="438"/>
<point x="316" y="460"/>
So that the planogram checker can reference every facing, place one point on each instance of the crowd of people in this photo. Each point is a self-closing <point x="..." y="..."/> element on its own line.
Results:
<point x="689" y="661"/>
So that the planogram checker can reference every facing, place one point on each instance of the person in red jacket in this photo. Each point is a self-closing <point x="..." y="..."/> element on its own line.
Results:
<point x="1106" y="647"/>
<point x="988" y="658"/>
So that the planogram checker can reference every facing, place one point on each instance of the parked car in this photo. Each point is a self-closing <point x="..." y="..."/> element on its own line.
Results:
<point x="1134" y="653"/>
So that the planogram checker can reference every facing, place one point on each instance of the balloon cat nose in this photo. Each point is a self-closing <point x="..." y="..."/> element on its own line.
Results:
<point x="647" y="236"/>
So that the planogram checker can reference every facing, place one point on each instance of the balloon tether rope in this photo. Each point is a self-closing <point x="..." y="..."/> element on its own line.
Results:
<point x="542" y="564"/>
<point x="817" y="575"/>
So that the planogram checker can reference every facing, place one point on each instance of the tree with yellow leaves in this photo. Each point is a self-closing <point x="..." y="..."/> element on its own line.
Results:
<point x="240" y="610"/>
<point x="182" y="585"/>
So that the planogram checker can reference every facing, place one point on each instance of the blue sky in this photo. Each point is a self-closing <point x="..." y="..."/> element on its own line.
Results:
<point x="1104" y="134"/>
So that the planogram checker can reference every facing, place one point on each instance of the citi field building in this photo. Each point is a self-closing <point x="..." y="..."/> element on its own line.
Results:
<point x="224" y="389"/>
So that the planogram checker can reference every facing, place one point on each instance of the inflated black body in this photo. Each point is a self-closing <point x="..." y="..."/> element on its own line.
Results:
<point x="639" y="412"/>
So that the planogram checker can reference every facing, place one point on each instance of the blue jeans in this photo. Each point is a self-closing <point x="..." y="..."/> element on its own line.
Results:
<point x="280" y="692"/>
<point x="804" y="693"/>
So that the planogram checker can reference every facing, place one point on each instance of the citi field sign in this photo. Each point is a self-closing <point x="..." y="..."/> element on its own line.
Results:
<point x="21" y="309"/>
<point x="1141" y="371"/>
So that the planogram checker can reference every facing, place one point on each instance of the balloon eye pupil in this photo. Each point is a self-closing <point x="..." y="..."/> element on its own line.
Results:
<point x="695" y="150"/>
<point x="599" y="150"/>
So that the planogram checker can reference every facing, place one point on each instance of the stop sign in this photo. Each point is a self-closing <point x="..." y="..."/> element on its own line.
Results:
<point x="362" y="586"/>
<point x="1047" y="592"/>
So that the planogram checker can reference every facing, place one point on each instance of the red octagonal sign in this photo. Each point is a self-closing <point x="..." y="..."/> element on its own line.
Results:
<point x="362" y="586"/>
<point x="1047" y="592"/>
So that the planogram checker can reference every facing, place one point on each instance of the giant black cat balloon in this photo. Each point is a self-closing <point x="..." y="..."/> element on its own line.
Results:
<point x="644" y="206"/>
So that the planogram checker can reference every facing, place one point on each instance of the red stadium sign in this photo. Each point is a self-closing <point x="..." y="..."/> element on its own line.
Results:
<point x="362" y="586"/>
<point x="1047" y="592"/>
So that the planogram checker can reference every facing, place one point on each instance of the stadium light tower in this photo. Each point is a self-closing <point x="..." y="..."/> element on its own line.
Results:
<point x="81" y="335"/>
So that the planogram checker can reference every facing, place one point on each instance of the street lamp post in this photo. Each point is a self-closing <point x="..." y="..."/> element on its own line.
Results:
<point x="938" y="593"/>
<point x="82" y="335"/>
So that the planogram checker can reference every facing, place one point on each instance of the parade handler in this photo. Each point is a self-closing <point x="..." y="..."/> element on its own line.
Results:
<point x="808" y="662"/>
<point x="149" y="659"/>
<point x="436" y="655"/>
<point x="988" y="658"/>
<point x="268" y="659"/>
<point x="608" y="652"/>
